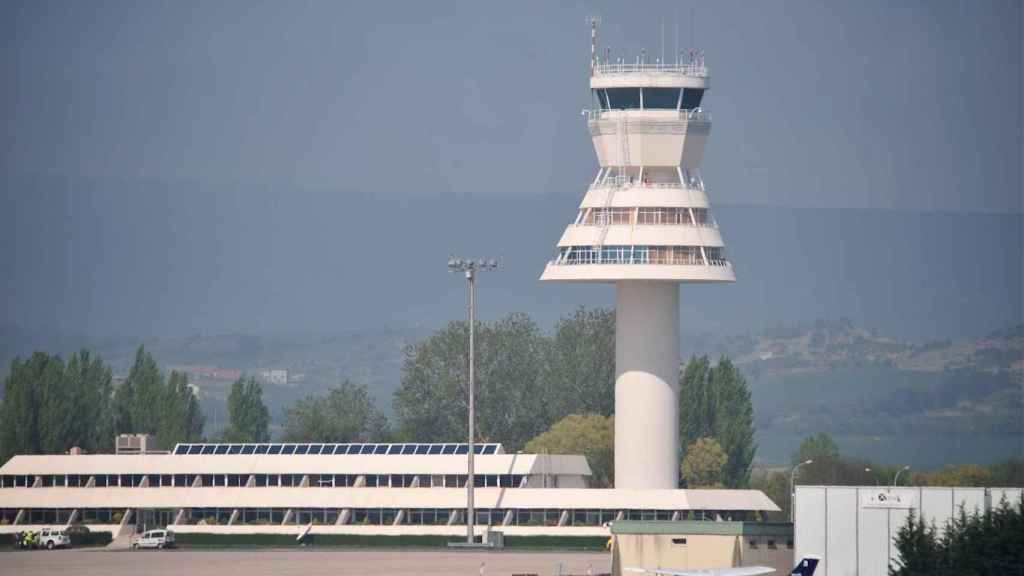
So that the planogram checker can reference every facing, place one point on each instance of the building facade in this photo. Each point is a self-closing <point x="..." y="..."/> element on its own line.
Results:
<point x="690" y="545"/>
<point x="853" y="528"/>
<point x="337" y="488"/>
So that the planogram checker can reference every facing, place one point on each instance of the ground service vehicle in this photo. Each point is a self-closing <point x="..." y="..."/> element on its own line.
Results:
<point x="158" y="539"/>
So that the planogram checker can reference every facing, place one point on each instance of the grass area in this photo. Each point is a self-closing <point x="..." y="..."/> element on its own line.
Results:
<point x="373" y="541"/>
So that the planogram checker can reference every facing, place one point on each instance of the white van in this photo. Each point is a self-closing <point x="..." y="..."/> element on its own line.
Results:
<point x="51" y="538"/>
<point x="154" y="539"/>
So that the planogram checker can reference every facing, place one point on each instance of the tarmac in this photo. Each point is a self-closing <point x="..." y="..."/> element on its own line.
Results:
<point x="303" y="562"/>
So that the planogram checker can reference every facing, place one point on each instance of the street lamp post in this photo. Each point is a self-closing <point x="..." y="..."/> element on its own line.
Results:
<point x="897" y="478"/>
<point x="470" y="268"/>
<point x="792" y="490"/>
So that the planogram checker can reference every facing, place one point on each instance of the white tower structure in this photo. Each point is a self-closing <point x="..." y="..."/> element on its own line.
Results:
<point x="645" y="224"/>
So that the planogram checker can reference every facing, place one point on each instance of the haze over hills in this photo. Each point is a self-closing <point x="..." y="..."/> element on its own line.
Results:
<point x="154" y="260"/>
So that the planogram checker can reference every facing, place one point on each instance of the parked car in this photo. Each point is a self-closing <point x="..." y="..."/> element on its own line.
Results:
<point x="51" y="538"/>
<point x="158" y="539"/>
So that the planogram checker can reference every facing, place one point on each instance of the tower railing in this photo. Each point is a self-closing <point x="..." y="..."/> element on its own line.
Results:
<point x="697" y="70"/>
<point x="695" y="115"/>
<point x="625" y="182"/>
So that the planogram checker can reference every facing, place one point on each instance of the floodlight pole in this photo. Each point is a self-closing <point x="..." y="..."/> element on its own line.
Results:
<point x="792" y="488"/>
<point x="471" y="480"/>
<point x="470" y="267"/>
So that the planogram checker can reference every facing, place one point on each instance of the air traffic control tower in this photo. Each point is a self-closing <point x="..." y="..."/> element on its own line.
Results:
<point x="645" y="224"/>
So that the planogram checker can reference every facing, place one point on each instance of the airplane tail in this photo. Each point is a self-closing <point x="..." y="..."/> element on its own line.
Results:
<point x="806" y="566"/>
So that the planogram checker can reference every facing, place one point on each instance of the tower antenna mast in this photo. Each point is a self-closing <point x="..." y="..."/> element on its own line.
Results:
<point x="594" y="21"/>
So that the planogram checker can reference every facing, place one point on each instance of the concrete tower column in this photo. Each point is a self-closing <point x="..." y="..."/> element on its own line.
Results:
<point x="647" y="385"/>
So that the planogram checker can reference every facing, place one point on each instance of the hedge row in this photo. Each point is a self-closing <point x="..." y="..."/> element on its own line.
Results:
<point x="79" y="539"/>
<point x="195" y="540"/>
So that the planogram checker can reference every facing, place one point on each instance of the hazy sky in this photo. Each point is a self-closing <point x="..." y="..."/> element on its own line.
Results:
<point x="227" y="105"/>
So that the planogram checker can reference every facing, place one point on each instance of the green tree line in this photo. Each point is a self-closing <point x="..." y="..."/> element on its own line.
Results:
<point x="547" y="392"/>
<point x="50" y="406"/>
<point x="555" y="393"/>
<point x="981" y="543"/>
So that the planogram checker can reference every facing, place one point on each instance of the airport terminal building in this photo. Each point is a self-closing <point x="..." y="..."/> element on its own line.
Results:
<point x="385" y="489"/>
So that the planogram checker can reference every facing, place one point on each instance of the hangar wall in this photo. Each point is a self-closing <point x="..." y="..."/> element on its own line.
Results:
<point x="852" y="528"/>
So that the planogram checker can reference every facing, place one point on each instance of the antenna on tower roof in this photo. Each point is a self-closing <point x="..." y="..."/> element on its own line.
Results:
<point x="677" y="35"/>
<point x="693" y="19"/>
<point x="662" y="40"/>
<point x="594" y="21"/>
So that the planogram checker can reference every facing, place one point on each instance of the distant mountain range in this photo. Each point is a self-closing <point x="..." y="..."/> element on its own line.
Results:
<point x="827" y="346"/>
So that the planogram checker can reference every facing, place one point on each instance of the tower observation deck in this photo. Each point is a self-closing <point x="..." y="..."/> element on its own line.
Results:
<point x="645" y="224"/>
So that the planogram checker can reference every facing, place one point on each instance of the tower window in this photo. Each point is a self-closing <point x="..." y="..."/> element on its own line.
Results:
<point x="661" y="98"/>
<point x="623" y="98"/>
<point x="692" y="98"/>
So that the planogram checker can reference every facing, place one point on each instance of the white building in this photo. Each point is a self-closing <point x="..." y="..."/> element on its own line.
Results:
<point x="645" y="224"/>
<point x="388" y="489"/>
<point x="853" y="528"/>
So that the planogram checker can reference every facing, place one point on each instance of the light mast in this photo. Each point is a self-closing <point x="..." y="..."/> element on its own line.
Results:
<point x="645" y="224"/>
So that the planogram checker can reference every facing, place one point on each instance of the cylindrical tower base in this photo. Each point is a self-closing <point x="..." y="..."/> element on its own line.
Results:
<point x="647" y="385"/>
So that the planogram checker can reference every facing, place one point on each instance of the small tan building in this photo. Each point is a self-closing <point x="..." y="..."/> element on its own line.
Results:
<point x="698" y="545"/>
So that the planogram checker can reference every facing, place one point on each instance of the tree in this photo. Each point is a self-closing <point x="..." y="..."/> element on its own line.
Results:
<point x="714" y="402"/>
<point x="511" y="398"/>
<point x="734" y="423"/>
<point x="138" y="401"/>
<point x="982" y="543"/>
<point x="88" y="380"/>
<point x="345" y="414"/>
<point x="181" y="419"/>
<point x="19" y="433"/>
<point x="591" y="435"/>
<point x="579" y="365"/>
<point x="918" y="548"/>
<point x="821" y="446"/>
<point x="249" y="417"/>
<point x="431" y="403"/>
<point x="50" y="407"/>
<point x="704" y="464"/>
<point x="775" y="485"/>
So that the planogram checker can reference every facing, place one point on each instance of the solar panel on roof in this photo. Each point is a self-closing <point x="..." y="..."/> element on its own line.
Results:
<point x="448" y="449"/>
<point x="248" y="448"/>
<point x="208" y="448"/>
<point x="354" y="448"/>
<point x="422" y="448"/>
<point x="381" y="449"/>
<point x="302" y="449"/>
<point x="409" y="449"/>
<point x="262" y="449"/>
<point x="181" y="449"/>
<point x="367" y="449"/>
<point x="395" y="449"/>
<point x="274" y="449"/>
<point x="461" y="449"/>
<point x="435" y="449"/>
<point x="234" y="449"/>
<point x="490" y="448"/>
<point x="195" y="449"/>
<point x="221" y="449"/>
<point x="288" y="449"/>
<point x="341" y="449"/>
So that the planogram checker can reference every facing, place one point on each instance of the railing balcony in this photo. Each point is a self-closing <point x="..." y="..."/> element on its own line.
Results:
<point x="624" y="182"/>
<point x="696" y="70"/>
<point x="695" y="115"/>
